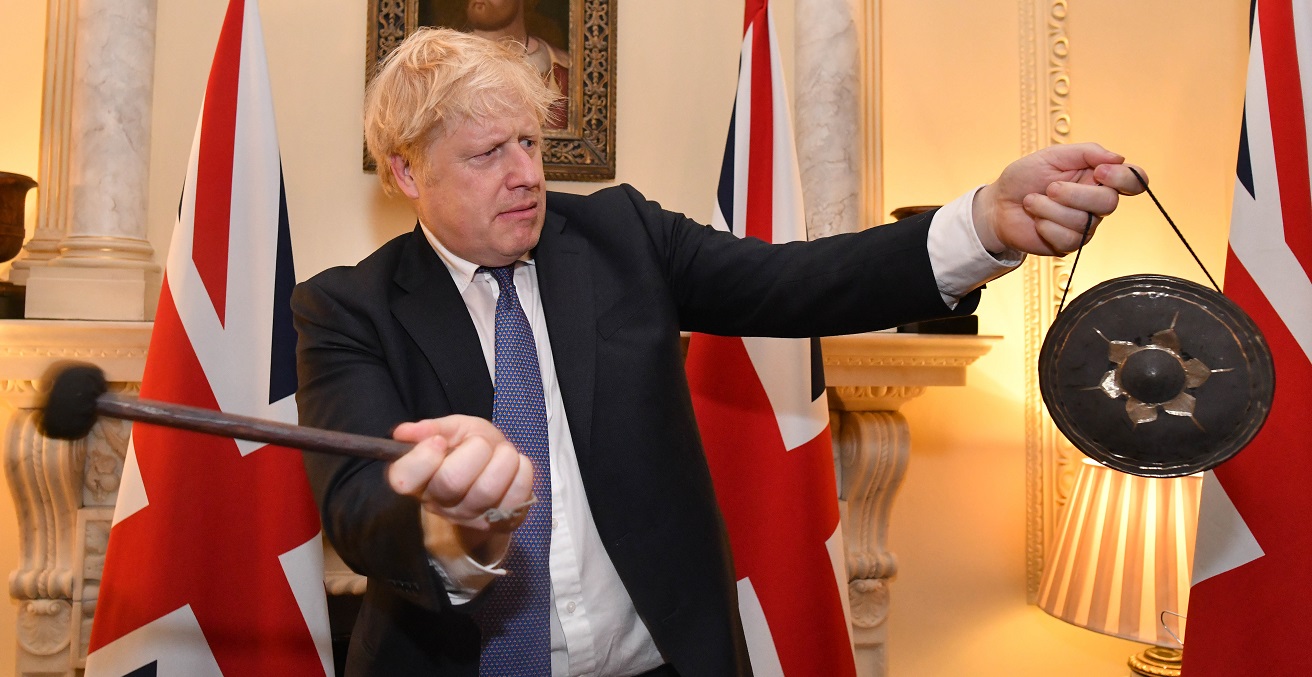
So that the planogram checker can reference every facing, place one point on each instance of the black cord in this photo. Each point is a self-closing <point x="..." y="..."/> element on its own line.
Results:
<point x="1177" y="230"/>
<point x="1070" y="278"/>
<point x="1085" y="238"/>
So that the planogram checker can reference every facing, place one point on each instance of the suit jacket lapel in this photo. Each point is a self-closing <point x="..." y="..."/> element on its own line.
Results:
<point x="435" y="316"/>
<point x="565" y="282"/>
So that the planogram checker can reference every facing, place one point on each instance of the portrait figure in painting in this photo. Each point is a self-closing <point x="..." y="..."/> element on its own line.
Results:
<point x="542" y="26"/>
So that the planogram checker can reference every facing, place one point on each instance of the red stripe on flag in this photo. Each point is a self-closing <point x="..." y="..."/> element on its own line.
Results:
<point x="1253" y="618"/>
<point x="760" y="157"/>
<point x="779" y="506"/>
<point x="752" y="10"/>
<point x="214" y="171"/>
<point x="1289" y="135"/>
<point x="196" y="542"/>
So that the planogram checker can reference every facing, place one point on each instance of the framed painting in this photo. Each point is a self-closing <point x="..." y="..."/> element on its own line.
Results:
<point x="572" y="42"/>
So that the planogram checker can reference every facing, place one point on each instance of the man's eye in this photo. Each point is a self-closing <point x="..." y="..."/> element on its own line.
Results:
<point x="528" y="143"/>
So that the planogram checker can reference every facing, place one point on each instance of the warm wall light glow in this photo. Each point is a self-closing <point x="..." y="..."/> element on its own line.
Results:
<point x="1122" y="555"/>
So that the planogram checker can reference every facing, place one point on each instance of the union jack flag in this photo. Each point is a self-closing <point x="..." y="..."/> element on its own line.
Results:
<point x="214" y="564"/>
<point x="762" y="410"/>
<point x="1252" y="579"/>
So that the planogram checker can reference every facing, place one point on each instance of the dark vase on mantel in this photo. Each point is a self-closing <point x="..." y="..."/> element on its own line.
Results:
<point x="13" y="195"/>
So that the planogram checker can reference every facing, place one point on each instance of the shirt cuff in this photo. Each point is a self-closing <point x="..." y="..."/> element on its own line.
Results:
<point x="960" y="262"/>
<point x="464" y="577"/>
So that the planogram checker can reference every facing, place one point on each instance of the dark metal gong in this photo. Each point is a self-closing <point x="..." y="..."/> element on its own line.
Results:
<point x="1157" y="376"/>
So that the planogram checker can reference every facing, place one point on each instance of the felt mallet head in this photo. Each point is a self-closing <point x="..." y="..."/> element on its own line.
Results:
<point x="70" y="405"/>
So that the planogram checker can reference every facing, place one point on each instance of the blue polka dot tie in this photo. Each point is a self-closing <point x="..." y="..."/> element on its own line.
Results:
<point x="515" y="616"/>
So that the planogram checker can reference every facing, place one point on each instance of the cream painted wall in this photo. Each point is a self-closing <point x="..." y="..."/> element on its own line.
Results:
<point x="1149" y="80"/>
<point x="22" y="45"/>
<point x="951" y="94"/>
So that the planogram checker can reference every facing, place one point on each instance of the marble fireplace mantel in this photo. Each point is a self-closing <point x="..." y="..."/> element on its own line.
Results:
<point x="64" y="492"/>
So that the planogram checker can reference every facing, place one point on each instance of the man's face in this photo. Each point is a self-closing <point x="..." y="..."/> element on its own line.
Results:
<point x="492" y="15"/>
<point x="484" y="194"/>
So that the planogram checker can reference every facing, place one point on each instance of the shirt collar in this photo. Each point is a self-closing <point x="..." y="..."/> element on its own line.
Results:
<point x="462" y="271"/>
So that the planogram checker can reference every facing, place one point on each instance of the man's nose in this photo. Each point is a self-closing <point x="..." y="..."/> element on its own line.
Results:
<point x="526" y="168"/>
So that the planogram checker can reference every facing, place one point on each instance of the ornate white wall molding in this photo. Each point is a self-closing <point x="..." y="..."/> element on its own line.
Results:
<point x="871" y="129"/>
<point x="1045" y="120"/>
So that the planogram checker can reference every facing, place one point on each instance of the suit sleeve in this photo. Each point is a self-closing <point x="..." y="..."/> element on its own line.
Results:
<point x="844" y="284"/>
<point x="345" y="385"/>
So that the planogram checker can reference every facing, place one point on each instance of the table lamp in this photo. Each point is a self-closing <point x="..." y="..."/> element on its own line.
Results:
<point x="1120" y="563"/>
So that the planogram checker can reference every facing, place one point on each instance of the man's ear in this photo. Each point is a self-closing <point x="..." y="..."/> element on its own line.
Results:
<point x="404" y="175"/>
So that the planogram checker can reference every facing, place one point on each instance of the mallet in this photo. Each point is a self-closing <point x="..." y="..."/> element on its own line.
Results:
<point x="77" y="395"/>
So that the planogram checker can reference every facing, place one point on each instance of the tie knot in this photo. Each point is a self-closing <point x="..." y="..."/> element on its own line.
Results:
<point x="505" y="275"/>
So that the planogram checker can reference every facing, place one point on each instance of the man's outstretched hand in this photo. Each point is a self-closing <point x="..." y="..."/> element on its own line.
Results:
<point x="1041" y="202"/>
<point x="459" y="468"/>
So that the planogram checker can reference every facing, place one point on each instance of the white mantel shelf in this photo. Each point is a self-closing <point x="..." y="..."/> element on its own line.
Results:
<point x="880" y="371"/>
<point x="64" y="492"/>
<point x="893" y="359"/>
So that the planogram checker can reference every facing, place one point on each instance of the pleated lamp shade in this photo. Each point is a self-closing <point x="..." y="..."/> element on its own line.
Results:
<point x="1122" y="554"/>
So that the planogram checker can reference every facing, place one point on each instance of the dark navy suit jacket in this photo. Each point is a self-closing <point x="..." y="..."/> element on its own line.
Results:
<point x="390" y="340"/>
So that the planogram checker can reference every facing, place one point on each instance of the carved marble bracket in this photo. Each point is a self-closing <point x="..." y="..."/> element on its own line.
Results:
<point x="63" y="492"/>
<point x="870" y="376"/>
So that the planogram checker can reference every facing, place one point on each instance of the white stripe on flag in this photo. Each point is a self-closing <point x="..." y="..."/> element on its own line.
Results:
<point x="1224" y="540"/>
<point x="784" y="367"/>
<point x="789" y="214"/>
<point x="838" y="558"/>
<point x="131" y="490"/>
<point x="742" y="133"/>
<point x="171" y="641"/>
<point x="299" y="564"/>
<point x="760" y="643"/>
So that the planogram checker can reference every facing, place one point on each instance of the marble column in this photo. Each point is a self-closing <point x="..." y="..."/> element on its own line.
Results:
<point x="95" y="164"/>
<point x="827" y="99"/>
<point x="52" y="176"/>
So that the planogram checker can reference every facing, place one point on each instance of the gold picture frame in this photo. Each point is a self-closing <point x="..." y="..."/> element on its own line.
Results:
<point x="582" y="148"/>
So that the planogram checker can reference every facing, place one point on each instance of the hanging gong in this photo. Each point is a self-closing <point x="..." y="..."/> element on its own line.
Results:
<point x="1156" y="376"/>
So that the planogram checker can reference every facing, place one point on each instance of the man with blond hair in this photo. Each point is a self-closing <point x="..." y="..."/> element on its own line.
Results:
<point x="586" y="538"/>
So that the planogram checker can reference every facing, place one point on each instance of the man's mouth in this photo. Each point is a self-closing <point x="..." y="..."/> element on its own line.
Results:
<point x="519" y="210"/>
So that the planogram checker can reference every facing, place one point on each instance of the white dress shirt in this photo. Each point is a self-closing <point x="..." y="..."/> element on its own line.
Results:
<point x="595" y="629"/>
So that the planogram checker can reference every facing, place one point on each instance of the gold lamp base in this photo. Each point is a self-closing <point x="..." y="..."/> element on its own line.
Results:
<point x="1156" y="661"/>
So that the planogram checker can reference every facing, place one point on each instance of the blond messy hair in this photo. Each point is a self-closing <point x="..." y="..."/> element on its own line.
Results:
<point x="436" y="79"/>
